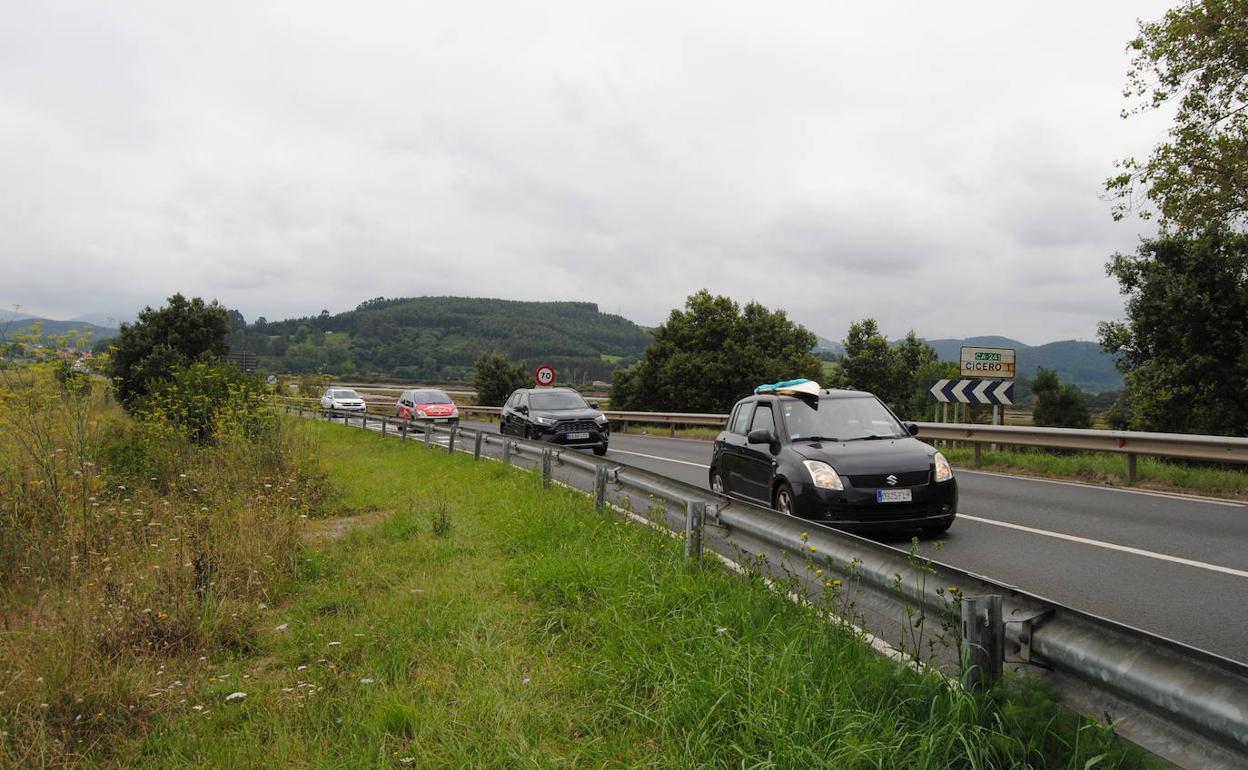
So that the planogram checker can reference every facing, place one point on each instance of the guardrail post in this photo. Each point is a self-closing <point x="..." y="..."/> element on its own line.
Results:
<point x="364" y="421"/>
<point x="546" y="463"/>
<point x="428" y="429"/>
<point x="600" y="486"/>
<point x="476" y="447"/>
<point x="983" y="641"/>
<point x="695" y="512"/>
<point x="403" y="431"/>
<point x="1131" y="469"/>
<point x="672" y="430"/>
<point x="450" y="442"/>
<point x="979" y="457"/>
<point x="385" y="421"/>
<point x="506" y="451"/>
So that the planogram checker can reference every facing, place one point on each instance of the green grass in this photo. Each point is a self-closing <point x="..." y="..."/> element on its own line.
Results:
<point x="1111" y="469"/>
<point x="486" y="622"/>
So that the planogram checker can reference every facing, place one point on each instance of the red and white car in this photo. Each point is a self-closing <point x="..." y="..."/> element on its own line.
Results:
<point x="427" y="404"/>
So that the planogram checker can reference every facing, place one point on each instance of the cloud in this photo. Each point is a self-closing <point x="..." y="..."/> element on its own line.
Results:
<point x="934" y="167"/>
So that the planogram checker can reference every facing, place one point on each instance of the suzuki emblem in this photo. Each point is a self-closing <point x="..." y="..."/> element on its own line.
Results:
<point x="892" y="480"/>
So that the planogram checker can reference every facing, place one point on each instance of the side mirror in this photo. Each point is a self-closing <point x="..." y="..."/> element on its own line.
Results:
<point x="522" y="409"/>
<point x="912" y="427"/>
<point x="760" y="436"/>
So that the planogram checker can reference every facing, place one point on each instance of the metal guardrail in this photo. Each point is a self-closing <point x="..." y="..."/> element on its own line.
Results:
<point x="1185" y="704"/>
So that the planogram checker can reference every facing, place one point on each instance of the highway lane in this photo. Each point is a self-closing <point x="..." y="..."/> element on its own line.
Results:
<point x="1174" y="565"/>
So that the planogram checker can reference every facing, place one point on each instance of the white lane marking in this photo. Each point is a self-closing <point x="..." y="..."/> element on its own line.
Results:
<point x="1085" y="485"/>
<point x="664" y="459"/>
<point x="1111" y="546"/>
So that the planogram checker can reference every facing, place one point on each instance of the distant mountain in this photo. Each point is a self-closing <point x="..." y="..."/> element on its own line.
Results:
<point x="106" y="320"/>
<point x="10" y="329"/>
<point x="13" y="315"/>
<point x="825" y="345"/>
<point x="1077" y="361"/>
<point x="441" y="337"/>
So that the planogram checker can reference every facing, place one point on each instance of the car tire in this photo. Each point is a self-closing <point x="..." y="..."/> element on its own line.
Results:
<point x="600" y="450"/>
<point x="937" y="529"/>
<point x="717" y="482"/>
<point x="782" y="501"/>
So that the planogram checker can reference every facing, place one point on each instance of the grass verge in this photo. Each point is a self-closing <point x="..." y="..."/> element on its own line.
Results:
<point x="486" y="622"/>
<point x="1110" y="469"/>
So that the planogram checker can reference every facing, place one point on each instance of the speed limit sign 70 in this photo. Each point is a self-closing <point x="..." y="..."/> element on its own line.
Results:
<point x="545" y="375"/>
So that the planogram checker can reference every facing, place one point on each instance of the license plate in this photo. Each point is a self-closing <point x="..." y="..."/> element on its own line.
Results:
<point x="577" y="436"/>
<point x="442" y="419"/>
<point x="892" y="495"/>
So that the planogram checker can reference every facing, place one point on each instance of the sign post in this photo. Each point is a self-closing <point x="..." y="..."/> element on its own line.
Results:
<point x="544" y="376"/>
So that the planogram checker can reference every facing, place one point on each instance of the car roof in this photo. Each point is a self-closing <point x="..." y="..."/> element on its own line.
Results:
<point x="823" y="394"/>
<point x="550" y="390"/>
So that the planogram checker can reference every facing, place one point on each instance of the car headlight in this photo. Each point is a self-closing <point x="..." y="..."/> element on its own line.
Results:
<point x="601" y="419"/>
<point x="540" y="420"/>
<point x="943" y="471"/>
<point x="823" y="476"/>
<point x="419" y="412"/>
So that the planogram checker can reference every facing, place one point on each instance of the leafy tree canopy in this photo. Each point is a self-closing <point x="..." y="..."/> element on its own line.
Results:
<point x="1184" y="344"/>
<point x="496" y="377"/>
<point x="712" y="353"/>
<point x="1058" y="404"/>
<point x="897" y="374"/>
<point x="1195" y="57"/>
<point x="176" y="335"/>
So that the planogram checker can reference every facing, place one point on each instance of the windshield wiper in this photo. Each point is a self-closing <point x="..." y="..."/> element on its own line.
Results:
<point x="816" y="438"/>
<point x="872" y="437"/>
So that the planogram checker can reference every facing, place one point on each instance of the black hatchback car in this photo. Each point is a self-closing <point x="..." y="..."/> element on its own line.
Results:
<point x="841" y="457"/>
<point x="557" y="415"/>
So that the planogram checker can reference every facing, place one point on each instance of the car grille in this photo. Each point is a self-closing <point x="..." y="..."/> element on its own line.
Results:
<point x="908" y="479"/>
<point x="576" y="426"/>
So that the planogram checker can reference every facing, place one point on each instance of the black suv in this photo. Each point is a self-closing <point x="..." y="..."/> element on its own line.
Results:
<point x="557" y="415"/>
<point x="841" y="457"/>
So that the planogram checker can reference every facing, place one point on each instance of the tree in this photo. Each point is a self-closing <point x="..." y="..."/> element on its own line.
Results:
<point x="1183" y="349"/>
<point x="496" y="377"/>
<point x="714" y="352"/>
<point x="176" y="335"/>
<point x="869" y="363"/>
<point x="1195" y="56"/>
<point x="1057" y="404"/>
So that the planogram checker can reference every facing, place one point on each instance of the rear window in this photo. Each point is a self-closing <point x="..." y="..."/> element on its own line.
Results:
<point x="741" y="419"/>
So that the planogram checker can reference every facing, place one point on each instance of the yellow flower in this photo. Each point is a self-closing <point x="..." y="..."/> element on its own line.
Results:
<point x="812" y="549"/>
<point x="836" y="582"/>
<point x="819" y="571"/>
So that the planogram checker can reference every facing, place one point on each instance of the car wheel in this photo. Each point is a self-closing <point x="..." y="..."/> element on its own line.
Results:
<point x="717" y="481"/>
<point x="600" y="450"/>
<point x="937" y="529"/>
<point x="783" y="501"/>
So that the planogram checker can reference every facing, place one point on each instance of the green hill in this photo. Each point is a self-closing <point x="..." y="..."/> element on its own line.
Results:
<point x="11" y="329"/>
<point x="441" y="337"/>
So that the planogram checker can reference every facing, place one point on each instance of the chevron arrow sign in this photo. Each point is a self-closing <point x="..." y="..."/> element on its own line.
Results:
<point x="972" y="391"/>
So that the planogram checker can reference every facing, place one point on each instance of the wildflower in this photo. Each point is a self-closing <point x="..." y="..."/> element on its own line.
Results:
<point x="366" y="680"/>
<point x="836" y="582"/>
<point x="805" y="535"/>
<point x="282" y="627"/>
<point x="819" y="572"/>
<point x="335" y="644"/>
<point x="235" y="697"/>
<point x="812" y="549"/>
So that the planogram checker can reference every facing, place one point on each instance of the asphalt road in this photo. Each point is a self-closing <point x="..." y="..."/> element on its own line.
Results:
<point x="1173" y="565"/>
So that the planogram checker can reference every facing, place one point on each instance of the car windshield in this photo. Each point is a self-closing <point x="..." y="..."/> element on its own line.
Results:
<point x="344" y="394"/>
<point x="558" y="399"/>
<point x="840" y="419"/>
<point x="431" y="397"/>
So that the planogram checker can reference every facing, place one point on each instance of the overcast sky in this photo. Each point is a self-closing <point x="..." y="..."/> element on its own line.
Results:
<point x="936" y="166"/>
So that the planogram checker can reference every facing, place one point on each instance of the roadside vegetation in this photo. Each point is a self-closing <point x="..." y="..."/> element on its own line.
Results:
<point x="1111" y="469"/>
<point x="133" y="547"/>
<point x="477" y="619"/>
